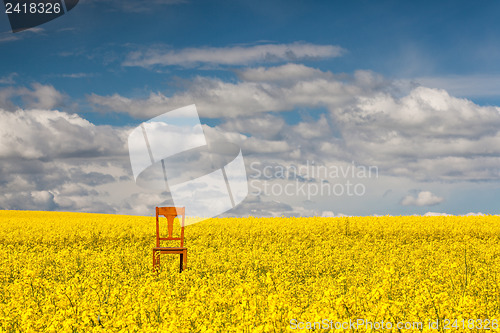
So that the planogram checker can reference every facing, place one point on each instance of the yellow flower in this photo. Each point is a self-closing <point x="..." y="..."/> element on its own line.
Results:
<point x="66" y="272"/>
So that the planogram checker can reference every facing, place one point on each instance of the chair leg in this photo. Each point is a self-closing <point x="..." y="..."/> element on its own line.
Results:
<point x="185" y="259"/>
<point x="181" y="261"/>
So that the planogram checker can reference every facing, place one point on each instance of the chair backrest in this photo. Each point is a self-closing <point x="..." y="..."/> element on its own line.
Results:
<point x="170" y="213"/>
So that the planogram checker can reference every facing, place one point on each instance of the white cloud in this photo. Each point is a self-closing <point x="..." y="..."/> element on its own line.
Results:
<point x="39" y="96"/>
<point x="289" y="72"/>
<point x="256" y="206"/>
<point x="216" y="98"/>
<point x="462" y="85"/>
<point x="424" y="198"/>
<point x="233" y="55"/>
<point x="446" y="214"/>
<point x="255" y="145"/>
<point x="426" y="134"/>
<point x="9" y="36"/>
<point x="328" y="213"/>
<point x="436" y="214"/>
<point x="474" y="214"/>
<point x="52" y="160"/>
<point x="42" y="96"/>
<point x="33" y="200"/>
<point x="423" y="135"/>
<point x="78" y="75"/>
<point x="9" y="79"/>
<point x="5" y="98"/>
<point x="314" y="129"/>
<point x="265" y="126"/>
<point x="44" y="134"/>
<point x="156" y="104"/>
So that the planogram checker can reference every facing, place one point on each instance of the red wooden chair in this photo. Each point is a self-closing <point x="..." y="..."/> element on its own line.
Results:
<point x="170" y="213"/>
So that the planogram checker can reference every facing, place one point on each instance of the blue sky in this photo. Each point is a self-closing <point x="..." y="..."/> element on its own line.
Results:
<point x="409" y="87"/>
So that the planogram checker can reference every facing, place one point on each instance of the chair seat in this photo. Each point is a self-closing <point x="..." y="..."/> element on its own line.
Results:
<point x="169" y="248"/>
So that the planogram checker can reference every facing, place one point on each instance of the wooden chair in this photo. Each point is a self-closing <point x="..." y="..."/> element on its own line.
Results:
<point x="170" y="213"/>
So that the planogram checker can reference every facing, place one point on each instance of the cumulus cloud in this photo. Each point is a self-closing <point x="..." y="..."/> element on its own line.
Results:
<point x="33" y="200"/>
<point x="232" y="55"/>
<point x="9" y="36"/>
<point x="437" y="214"/>
<point x="424" y="198"/>
<point x="53" y="160"/>
<point x="265" y="126"/>
<point x="446" y="214"/>
<point x="60" y="184"/>
<point x="474" y="214"/>
<point x="329" y="213"/>
<point x="462" y="85"/>
<point x="39" y="96"/>
<point x="77" y="75"/>
<point x="289" y="72"/>
<point x="217" y="98"/>
<point x="423" y="133"/>
<point x="256" y="206"/>
<point x="9" y="79"/>
<point x="47" y="134"/>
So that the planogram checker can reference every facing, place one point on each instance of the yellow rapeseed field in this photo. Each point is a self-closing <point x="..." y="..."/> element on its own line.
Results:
<point x="76" y="272"/>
